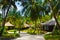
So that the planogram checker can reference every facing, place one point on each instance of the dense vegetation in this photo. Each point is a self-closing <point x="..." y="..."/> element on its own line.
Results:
<point x="35" y="12"/>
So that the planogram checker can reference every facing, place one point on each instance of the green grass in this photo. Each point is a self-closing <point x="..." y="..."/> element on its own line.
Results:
<point x="8" y="35"/>
<point x="52" y="37"/>
<point x="12" y="30"/>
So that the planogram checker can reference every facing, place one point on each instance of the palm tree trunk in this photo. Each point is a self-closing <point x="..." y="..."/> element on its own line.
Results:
<point x="4" y="20"/>
<point x="19" y="28"/>
<point x="35" y="27"/>
<point x="56" y="20"/>
<point x="54" y="15"/>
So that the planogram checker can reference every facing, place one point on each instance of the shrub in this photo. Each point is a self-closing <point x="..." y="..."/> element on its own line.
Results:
<point x="56" y="32"/>
<point x="53" y="36"/>
<point x="10" y="35"/>
<point x="31" y="31"/>
<point x="7" y="35"/>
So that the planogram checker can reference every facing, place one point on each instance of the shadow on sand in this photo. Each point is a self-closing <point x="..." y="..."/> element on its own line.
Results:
<point x="3" y="38"/>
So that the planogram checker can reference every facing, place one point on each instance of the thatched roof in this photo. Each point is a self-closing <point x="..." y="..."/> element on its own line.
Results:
<point x="8" y="24"/>
<point x="50" y="22"/>
<point x="26" y="25"/>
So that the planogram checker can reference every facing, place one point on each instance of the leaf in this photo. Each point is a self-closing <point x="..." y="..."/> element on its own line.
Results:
<point x="13" y="3"/>
<point x="24" y="8"/>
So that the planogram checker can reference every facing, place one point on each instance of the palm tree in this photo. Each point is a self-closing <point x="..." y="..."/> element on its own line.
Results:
<point x="0" y="19"/>
<point x="53" y="4"/>
<point x="33" y="9"/>
<point x="6" y="4"/>
<point x="15" y="18"/>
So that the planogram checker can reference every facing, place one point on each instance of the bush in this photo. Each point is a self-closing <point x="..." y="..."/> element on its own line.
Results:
<point x="53" y="36"/>
<point x="56" y="32"/>
<point x="7" y="35"/>
<point x="31" y="31"/>
<point x="10" y="35"/>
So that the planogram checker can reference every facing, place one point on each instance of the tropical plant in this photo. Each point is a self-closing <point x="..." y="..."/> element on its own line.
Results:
<point x="54" y="8"/>
<point x="6" y="4"/>
<point x="15" y="18"/>
<point x="0" y="19"/>
<point x="32" y="8"/>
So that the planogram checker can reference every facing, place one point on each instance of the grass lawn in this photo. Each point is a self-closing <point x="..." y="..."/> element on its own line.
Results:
<point x="52" y="37"/>
<point x="23" y="30"/>
<point x="13" y="34"/>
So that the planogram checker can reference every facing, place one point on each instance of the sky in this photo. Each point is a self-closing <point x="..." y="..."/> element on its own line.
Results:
<point x="19" y="7"/>
<point x="0" y="11"/>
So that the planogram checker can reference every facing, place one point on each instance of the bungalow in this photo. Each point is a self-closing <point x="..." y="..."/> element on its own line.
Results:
<point x="49" y="25"/>
<point x="9" y="25"/>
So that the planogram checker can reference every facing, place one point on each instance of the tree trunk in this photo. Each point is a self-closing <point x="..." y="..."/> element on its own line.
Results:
<point x="54" y="15"/>
<point x="56" y="20"/>
<point x="35" y="27"/>
<point x="54" y="11"/>
<point x="19" y="28"/>
<point x="4" y="20"/>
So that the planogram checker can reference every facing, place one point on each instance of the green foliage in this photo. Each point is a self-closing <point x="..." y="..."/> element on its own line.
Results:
<point x="7" y="2"/>
<point x="31" y="31"/>
<point x="10" y="35"/>
<point x="34" y="32"/>
<point x="5" y="31"/>
<point x="14" y="18"/>
<point x="58" y="17"/>
<point x="7" y="35"/>
<point x="33" y="8"/>
<point x="46" y="18"/>
<point x="0" y="19"/>
<point x="52" y="37"/>
<point x="12" y="30"/>
<point x="56" y="32"/>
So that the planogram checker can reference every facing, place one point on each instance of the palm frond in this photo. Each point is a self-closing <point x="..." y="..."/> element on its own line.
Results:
<point x="27" y="12"/>
<point x="24" y="8"/>
<point x="13" y="3"/>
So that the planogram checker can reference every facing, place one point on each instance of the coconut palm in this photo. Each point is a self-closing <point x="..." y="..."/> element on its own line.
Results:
<point x="54" y="7"/>
<point x="6" y="4"/>
<point x="15" y="18"/>
<point x="33" y="8"/>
